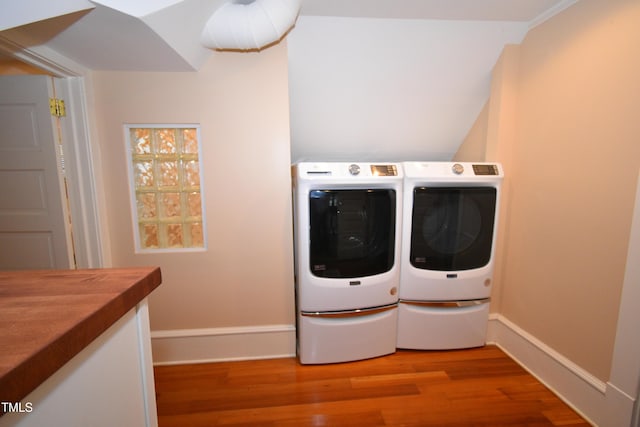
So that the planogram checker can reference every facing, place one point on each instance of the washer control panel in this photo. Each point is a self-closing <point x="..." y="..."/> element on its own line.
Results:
<point x="376" y="170"/>
<point x="346" y="170"/>
<point x="485" y="170"/>
<point x="384" y="170"/>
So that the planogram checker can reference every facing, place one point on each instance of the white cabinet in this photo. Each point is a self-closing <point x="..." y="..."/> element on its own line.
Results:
<point x="108" y="384"/>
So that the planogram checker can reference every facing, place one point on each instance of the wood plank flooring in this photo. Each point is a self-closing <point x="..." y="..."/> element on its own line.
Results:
<point x="462" y="388"/>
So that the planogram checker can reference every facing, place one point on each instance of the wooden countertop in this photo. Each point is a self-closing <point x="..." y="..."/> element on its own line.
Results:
<point x="47" y="317"/>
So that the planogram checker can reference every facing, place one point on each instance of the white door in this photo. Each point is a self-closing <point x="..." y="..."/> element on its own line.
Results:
<point x="33" y="229"/>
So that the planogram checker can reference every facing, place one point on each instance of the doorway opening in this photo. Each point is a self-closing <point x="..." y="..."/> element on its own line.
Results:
<point x="69" y="153"/>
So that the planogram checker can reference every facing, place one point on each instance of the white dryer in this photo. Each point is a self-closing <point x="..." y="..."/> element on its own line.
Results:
<point x="347" y="227"/>
<point x="447" y="253"/>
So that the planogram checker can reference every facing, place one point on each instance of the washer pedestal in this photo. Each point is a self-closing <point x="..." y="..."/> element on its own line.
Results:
<point x="428" y="326"/>
<point x="336" y="339"/>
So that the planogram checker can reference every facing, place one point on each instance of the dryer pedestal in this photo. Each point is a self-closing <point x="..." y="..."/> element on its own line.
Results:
<point x="442" y="326"/>
<point x="448" y="246"/>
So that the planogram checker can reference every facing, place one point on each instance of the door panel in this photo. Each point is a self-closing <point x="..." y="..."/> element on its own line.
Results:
<point x="29" y="197"/>
<point x="33" y="230"/>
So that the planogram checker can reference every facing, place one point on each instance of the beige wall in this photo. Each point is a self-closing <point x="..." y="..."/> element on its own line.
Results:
<point x="572" y="155"/>
<point x="245" y="277"/>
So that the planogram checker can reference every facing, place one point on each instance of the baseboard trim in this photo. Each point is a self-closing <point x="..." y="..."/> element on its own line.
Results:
<point x="544" y="349"/>
<point x="189" y="346"/>
<point x="600" y="403"/>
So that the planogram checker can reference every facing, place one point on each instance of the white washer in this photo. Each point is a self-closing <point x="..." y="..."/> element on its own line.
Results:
<point x="347" y="227"/>
<point x="450" y="219"/>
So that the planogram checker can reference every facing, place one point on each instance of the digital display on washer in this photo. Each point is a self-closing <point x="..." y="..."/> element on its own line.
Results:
<point x="485" y="169"/>
<point x="384" y="170"/>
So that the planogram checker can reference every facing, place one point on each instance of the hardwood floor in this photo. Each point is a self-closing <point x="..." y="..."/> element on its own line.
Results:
<point x="477" y="387"/>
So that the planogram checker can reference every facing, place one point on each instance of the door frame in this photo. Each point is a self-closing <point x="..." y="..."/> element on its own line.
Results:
<point x="80" y="173"/>
<point x="80" y="151"/>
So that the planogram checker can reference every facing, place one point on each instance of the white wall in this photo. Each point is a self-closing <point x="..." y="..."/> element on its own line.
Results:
<point x="389" y="89"/>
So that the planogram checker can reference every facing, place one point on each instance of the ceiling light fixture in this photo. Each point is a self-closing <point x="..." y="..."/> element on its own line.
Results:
<point x="249" y="24"/>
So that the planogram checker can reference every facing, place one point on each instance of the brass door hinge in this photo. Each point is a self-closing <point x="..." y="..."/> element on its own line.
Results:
<point x="56" y="106"/>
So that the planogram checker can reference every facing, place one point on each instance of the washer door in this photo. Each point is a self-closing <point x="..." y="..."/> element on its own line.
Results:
<point x="352" y="232"/>
<point x="452" y="227"/>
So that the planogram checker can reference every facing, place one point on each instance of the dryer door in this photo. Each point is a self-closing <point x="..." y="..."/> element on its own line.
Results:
<point x="352" y="232"/>
<point x="452" y="227"/>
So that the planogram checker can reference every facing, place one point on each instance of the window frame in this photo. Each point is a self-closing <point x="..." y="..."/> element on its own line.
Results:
<point x="138" y="247"/>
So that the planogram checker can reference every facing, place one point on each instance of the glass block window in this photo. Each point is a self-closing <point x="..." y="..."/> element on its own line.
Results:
<point x="166" y="190"/>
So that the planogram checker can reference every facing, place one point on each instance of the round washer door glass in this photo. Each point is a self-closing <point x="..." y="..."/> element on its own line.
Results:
<point x="452" y="227"/>
<point x="352" y="232"/>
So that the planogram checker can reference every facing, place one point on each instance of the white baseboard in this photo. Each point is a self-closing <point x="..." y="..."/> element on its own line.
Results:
<point x="600" y="403"/>
<point x="186" y="346"/>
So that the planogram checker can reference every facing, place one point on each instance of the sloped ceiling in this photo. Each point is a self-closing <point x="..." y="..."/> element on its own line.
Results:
<point x="16" y="13"/>
<point x="369" y="79"/>
<point x="141" y="35"/>
<point x="163" y="35"/>
<point x="374" y="80"/>
<point x="389" y="90"/>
